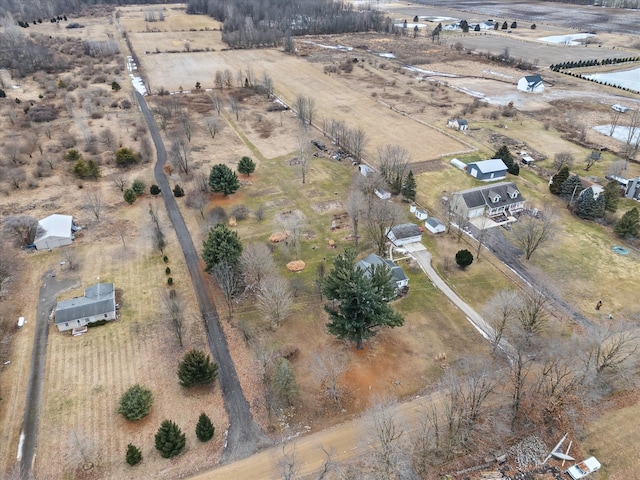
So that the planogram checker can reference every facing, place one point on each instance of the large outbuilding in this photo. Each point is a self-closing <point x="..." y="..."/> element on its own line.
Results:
<point x="531" y="84"/>
<point x="54" y="231"/>
<point x="488" y="170"/>
<point x="98" y="303"/>
<point x="404" y="233"/>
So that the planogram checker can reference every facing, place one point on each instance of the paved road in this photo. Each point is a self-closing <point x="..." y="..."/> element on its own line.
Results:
<point x="51" y="286"/>
<point x="245" y="436"/>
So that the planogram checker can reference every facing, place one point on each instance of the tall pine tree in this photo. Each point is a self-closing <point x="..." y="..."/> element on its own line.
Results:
<point x="611" y="196"/>
<point x="503" y="153"/>
<point x="196" y="368"/>
<point x="629" y="224"/>
<point x="588" y="207"/>
<point x="558" y="180"/>
<point x="284" y="382"/>
<point x="134" y="455"/>
<point x="409" y="187"/>
<point x="571" y="187"/>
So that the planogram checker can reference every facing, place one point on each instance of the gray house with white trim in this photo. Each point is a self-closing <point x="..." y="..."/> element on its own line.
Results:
<point x="488" y="170"/>
<point x="372" y="261"/>
<point x="499" y="199"/>
<point x="404" y="233"/>
<point x="98" y="303"/>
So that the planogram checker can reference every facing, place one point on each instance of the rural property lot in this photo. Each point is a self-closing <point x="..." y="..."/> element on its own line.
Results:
<point x="334" y="97"/>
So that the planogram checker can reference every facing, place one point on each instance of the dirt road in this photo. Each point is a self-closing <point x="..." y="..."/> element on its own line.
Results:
<point x="244" y="436"/>
<point x="50" y="288"/>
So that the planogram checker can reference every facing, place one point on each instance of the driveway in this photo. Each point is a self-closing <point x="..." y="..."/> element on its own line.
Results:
<point x="244" y="436"/>
<point x="50" y="288"/>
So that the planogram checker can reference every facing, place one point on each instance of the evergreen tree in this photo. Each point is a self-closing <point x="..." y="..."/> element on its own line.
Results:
<point x="409" y="187"/>
<point x="135" y="403"/>
<point x="464" y="25"/>
<point x="221" y="245"/>
<point x="571" y="187"/>
<point x="204" y="428"/>
<point x="629" y="224"/>
<point x="284" y="382"/>
<point x="611" y="196"/>
<point x="80" y="169"/>
<point x="134" y="455"/>
<point x="588" y="207"/>
<point x="129" y="196"/>
<point x="169" y="439"/>
<point x="138" y="187"/>
<point x="126" y="157"/>
<point x="93" y="170"/>
<point x="246" y="166"/>
<point x="72" y="155"/>
<point x="464" y="258"/>
<point x="115" y="86"/>
<point x="503" y="153"/>
<point x="178" y="191"/>
<point x="154" y="190"/>
<point x="223" y="179"/>
<point x="196" y="368"/>
<point x="360" y="299"/>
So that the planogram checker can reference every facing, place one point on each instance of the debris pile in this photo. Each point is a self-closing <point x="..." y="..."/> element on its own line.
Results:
<point x="529" y="452"/>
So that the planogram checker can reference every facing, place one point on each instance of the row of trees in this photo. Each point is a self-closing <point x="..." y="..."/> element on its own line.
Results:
<point x="556" y="67"/>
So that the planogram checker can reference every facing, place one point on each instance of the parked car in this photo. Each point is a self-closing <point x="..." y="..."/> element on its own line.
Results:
<point x="584" y="468"/>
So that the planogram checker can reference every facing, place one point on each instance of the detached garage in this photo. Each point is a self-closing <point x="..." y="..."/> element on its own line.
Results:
<point x="54" y="231"/>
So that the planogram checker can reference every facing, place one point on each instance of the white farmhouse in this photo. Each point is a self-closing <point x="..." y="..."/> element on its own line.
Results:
<point x="531" y="84"/>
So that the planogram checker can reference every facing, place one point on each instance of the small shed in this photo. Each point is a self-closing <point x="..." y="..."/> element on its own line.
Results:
<point x="365" y="170"/>
<point x="458" y="124"/>
<point x="434" y="225"/>
<point x="404" y="233"/>
<point x="488" y="170"/>
<point x="531" y="84"/>
<point x="382" y="193"/>
<point x="54" y="231"/>
<point x="421" y="214"/>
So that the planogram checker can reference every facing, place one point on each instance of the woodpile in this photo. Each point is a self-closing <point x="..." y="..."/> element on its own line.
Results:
<point x="279" y="236"/>
<point x="296" y="266"/>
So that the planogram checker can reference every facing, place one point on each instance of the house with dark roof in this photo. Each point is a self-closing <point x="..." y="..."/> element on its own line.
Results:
<point x="372" y="261"/>
<point x="499" y="199"/>
<point x="98" y="303"/>
<point x="531" y="84"/>
<point x="488" y="170"/>
<point x="404" y="233"/>
<point x="458" y="124"/>
<point x="632" y="188"/>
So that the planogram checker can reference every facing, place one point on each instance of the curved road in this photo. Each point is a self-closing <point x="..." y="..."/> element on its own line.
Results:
<point x="244" y="436"/>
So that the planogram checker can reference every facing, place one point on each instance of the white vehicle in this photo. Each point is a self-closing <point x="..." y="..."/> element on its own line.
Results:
<point x="584" y="468"/>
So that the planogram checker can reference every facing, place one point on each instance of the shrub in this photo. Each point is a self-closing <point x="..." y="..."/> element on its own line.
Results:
<point x="126" y="157"/>
<point x="240" y="212"/>
<point x="97" y="323"/>
<point x="134" y="455"/>
<point x="129" y="196"/>
<point x="165" y="259"/>
<point x="246" y="166"/>
<point x="154" y="190"/>
<point x="167" y="271"/>
<point x="170" y="281"/>
<point x="178" y="191"/>
<point x="464" y="258"/>
<point x="196" y="368"/>
<point x="135" y="403"/>
<point x="204" y="429"/>
<point x="72" y="155"/>
<point x="170" y="440"/>
<point x="138" y="187"/>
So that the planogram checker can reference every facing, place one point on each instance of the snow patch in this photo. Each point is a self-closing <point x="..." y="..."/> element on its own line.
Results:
<point x="497" y="74"/>
<point x="566" y="39"/>
<point x="620" y="133"/>
<point x="330" y="47"/>
<point x="136" y="81"/>
<point x="431" y="73"/>
<point x="625" y="79"/>
<point x="387" y="55"/>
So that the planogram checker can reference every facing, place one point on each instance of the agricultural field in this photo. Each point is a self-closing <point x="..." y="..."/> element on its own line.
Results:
<point x="367" y="86"/>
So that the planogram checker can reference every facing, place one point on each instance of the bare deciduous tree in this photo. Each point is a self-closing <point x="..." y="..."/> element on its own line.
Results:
<point x="213" y="126"/>
<point x="388" y="457"/>
<point x="94" y="203"/>
<point x="393" y="164"/>
<point x="356" y="208"/>
<point x="304" y="157"/>
<point x="107" y="137"/>
<point x="531" y="233"/>
<point x="198" y="200"/>
<point x="218" y="81"/>
<point x="380" y="217"/>
<point x="328" y="367"/>
<point x="287" y="463"/>
<point x="119" y="180"/>
<point x="358" y="143"/>
<point x="275" y="300"/>
<point x="173" y="304"/>
<point x="23" y="228"/>
<point x="502" y="310"/>
<point x="234" y="103"/>
<point x="532" y="314"/>
<point x="180" y="154"/>
<point x="186" y="126"/>
<point x="227" y="78"/>
<point x="562" y="159"/>
<point x="70" y="257"/>
<point x="618" y="167"/>
<point x="146" y="149"/>
<point x="609" y="350"/>
<point x="257" y="263"/>
<point x="229" y="280"/>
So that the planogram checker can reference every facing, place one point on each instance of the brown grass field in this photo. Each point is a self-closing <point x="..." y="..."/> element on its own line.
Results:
<point x="85" y="376"/>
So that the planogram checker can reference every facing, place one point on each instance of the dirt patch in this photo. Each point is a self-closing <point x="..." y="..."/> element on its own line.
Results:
<point x="329" y="205"/>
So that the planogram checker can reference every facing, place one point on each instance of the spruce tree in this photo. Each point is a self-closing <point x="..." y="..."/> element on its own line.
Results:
<point x="136" y="402"/>
<point x="503" y="153"/>
<point x="221" y="245"/>
<point x="246" y="166"/>
<point x="169" y="439"/>
<point x="572" y="186"/>
<point x="223" y="179"/>
<point x="588" y="207"/>
<point x="129" y="196"/>
<point x="196" y="368"/>
<point x="611" y="196"/>
<point x="134" y="455"/>
<point x="629" y="224"/>
<point x="204" y="428"/>
<point x="409" y="187"/>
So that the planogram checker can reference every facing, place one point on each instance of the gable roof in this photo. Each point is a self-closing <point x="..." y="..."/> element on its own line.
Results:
<point x="533" y="80"/>
<point x="479" y="196"/>
<point x="372" y="260"/>
<point x="98" y="299"/>
<point x="406" y="230"/>
<point x="55" y="225"/>
<point x="434" y="222"/>
<point x="462" y="121"/>
<point x="490" y="166"/>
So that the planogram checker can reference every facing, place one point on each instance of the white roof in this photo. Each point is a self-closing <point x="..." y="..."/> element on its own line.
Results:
<point x="55" y="226"/>
<point x="493" y="165"/>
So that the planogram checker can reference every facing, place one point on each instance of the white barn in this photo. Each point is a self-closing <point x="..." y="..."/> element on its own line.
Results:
<point x="54" y="231"/>
<point x="531" y="84"/>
